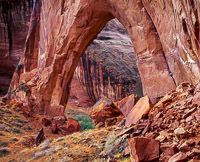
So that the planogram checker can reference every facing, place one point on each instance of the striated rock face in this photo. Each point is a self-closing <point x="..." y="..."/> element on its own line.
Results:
<point x="165" y="36"/>
<point x="14" y="24"/>
<point x="107" y="68"/>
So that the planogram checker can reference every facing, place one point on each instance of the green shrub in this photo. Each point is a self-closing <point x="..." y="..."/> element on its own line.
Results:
<point x="85" y="122"/>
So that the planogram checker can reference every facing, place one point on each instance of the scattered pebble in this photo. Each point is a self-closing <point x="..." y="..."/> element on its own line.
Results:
<point x="16" y="130"/>
<point x="60" y="139"/>
<point x="2" y="126"/>
<point x="15" y="139"/>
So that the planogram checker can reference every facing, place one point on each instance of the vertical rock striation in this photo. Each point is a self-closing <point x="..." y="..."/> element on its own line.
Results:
<point x="14" y="24"/>
<point x="107" y="68"/>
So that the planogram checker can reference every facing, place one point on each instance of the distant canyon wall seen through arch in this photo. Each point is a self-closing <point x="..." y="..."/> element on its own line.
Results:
<point x="107" y="68"/>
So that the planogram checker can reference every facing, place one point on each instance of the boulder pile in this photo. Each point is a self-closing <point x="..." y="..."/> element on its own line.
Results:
<point x="170" y="132"/>
<point x="60" y="125"/>
<point x="105" y="113"/>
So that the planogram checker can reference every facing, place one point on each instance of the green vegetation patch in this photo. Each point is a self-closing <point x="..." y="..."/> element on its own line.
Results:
<point x="82" y="117"/>
<point x="85" y="122"/>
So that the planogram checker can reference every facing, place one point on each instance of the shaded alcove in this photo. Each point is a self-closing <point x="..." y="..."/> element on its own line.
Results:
<point x="107" y="68"/>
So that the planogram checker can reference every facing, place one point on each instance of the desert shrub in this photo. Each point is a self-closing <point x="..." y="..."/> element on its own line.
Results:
<point x="85" y="122"/>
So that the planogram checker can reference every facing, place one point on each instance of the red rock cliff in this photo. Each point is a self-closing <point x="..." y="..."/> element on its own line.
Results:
<point x="165" y="36"/>
<point x="14" y="23"/>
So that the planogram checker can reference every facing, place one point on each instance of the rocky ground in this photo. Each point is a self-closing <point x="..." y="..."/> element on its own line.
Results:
<point x="78" y="147"/>
<point x="16" y="131"/>
<point x="168" y="131"/>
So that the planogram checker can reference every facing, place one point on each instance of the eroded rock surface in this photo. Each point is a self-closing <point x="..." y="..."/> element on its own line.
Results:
<point x="127" y="104"/>
<point x="144" y="149"/>
<point x="174" y="122"/>
<point x="165" y="36"/>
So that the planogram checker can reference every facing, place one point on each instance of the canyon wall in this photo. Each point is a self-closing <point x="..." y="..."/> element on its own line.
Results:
<point x="14" y="24"/>
<point x="164" y="34"/>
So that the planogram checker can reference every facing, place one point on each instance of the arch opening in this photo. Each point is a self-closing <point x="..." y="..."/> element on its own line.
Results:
<point x="107" y="68"/>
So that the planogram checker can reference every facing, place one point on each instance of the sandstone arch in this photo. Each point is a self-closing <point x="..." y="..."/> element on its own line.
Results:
<point x="65" y="29"/>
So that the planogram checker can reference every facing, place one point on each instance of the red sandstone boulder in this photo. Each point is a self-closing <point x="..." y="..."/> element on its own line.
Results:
<point x="105" y="112"/>
<point x="143" y="149"/>
<point x="56" y="110"/>
<point x="140" y="110"/>
<point x="168" y="150"/>
<point x="73" y="126"/>
<point x="61" y="125"/>
<point x="126" y="104"/>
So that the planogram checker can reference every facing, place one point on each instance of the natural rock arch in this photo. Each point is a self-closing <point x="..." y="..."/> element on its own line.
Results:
<point x="62" y="30"/>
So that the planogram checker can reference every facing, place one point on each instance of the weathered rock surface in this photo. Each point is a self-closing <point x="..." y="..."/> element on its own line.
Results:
<point x="179" y="157"/>
<point x="105" y="113"/>
<point x="139" y="111"/>
<point x="165" y="36"/>
<point x="112" y="46"/>
<point x="14" y="24"/>
<point x="143" y="149"/>
<point x="126" y="104"/>
<point x="174" y="122"/>
<point x="73" y="126"/>
<point x="61" y="125"/>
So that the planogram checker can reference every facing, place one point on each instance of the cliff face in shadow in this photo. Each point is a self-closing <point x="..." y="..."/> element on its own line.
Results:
<point x="107" y="68"/>
<point x="14" y="24"/>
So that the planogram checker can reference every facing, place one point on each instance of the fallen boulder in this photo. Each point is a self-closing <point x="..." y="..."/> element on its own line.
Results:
<point x="105" y="112"/>
<point x="65" y="127"/>
<point x="140" y="110"/>
<point x="73" y="126"/>
<point x="126" y="104"/>
<point x="143" y="149"/>
<point x="61" y="125"/>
